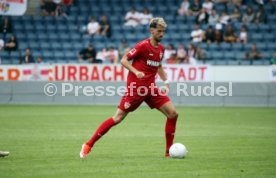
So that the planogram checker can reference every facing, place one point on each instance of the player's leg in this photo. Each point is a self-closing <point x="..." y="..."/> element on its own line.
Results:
<point x="169" y="111"/>
<point x="102" y="129"/>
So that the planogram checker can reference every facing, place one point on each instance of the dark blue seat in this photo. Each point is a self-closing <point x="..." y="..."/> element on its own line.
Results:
<point x="217" y="55"/>
<point x="45" y="46"/>
<point x="229" y="56"/>
<point x="59" y="55"/>
<point x="5" y="55"/>
<point x="47" y="55"/>
<point x="226" y="46"/>
<point x="256" y="37"/>
<point x="70" y="55"/>
<point x="34" y="45"/>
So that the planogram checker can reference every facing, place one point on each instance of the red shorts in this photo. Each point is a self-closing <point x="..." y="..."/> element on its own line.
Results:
<point x="130" y="103"/>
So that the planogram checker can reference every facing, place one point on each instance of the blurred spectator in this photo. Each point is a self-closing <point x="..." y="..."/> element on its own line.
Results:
<point x="1" y="47"/>
<point x="200" y="54"/>
<point x="237" y="2"/>
<point x="260" y="16"/>
<point x="273" y="59"/>
<point x="181" y="53"/>
<point x="208" y="5"/>
<point x="67" y="2"/>
<point x="218" y="37"/>
<point x="145" y="17"/>
<point x="259" y="2"/>
<point x="60" y="11"/>
<point x="93" y="26"/>
<point x="195" y="7"/>
<point x="249" y="16"/>
<point x="168" y="51"/>
<point x="184" y="8"/>
<point x="123" y="48"/>
<point x="12" y="44"/>
<point x="6" y="26"/>
<point x="102" y="55"/>
<point x="87" y="54"/>
<point x="132" y="18"/>
<point x="48" y="7"/>
<point x="236" y="15"/>
<point x="213" y="17"/>
<point x="209" y="35"/>
<point x="202" y="17"/>
<point x="27" y="57"/>
<point x="39" y="60"/>
<point x="253" y="53"/>
<point x="113" y="55"/>
<point x="243" y="35"/>
<point x="105" y="27"/>
<point x="229" y="35"/>
<point x="224" y="18"/>
<point x="2" y="44"/>
<point x="197" y="34"/>
<point x="190" y="58"/>
<point x="172" y="59"/>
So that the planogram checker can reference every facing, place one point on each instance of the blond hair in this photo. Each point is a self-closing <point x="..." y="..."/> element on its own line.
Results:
<point x="157" y="21"/>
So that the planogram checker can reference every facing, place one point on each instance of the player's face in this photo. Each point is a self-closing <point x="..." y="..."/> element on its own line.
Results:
<point x="158" y="33"/>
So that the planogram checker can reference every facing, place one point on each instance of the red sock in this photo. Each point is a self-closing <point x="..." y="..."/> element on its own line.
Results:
<point x="169" y="131"/>
<point x="102" y="129"/>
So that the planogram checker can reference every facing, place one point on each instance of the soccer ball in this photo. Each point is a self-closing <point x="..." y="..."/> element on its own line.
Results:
<point x="178" y="150"/>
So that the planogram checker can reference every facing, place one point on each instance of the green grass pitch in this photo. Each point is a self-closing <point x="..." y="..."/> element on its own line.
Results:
<point x="44" y="141"/>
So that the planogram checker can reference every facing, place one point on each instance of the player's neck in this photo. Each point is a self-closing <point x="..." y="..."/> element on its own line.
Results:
<point x="153" y="42"/>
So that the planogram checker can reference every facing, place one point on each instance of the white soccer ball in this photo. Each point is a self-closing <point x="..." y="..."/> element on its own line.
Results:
<point x="178" y="150"/>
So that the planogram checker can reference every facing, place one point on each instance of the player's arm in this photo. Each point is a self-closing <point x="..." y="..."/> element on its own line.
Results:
<point x="125" y="62"/>
<point x="163" y="76"/>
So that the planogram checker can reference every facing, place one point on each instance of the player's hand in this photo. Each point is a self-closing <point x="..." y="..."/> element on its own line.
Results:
<point x="139" y="74"/>
<point x="166" y="89"/>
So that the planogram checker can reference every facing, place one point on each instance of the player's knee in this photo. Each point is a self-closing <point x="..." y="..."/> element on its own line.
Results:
<point x="172" y="114"/>
<point x="118" y="118"/>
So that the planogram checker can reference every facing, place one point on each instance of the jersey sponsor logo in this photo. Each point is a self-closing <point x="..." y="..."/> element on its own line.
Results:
<point x="127" y="105"/>
<point x="153" y="63"/>
<point x="132" y="51"/>
<point x="150" y="54"/>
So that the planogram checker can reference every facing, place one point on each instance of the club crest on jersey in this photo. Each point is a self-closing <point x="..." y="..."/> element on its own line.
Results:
<point x="127" y="105"/>
<point x="153" y="63"/>
<point x="132" y="51"/>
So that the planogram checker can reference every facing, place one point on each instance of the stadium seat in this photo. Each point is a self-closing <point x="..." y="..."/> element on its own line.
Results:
<point x="240" y="56"/>
<point x="34" y="45"/>
<point x="214" y="47"/>
<point x="220" y="62"/>
<point x="245" y="62"/>
<point x="15" y="55"/>
<point x="47" y="55"/>
<point x="5" y="55"/>
<point x="226" y="46"/>
<point x="59" y="55"/>
<point x="233" y="62"/>
<point x="69" y="55"/>
<point x="45" y="46"/>
<point x="257" y="62"/>
<point x="217" y="55"/>
<point x="229" y="55"/>
<point x="256" y="37"/>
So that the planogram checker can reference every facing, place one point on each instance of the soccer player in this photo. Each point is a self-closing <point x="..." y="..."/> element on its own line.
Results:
<point x="147" y="62"/>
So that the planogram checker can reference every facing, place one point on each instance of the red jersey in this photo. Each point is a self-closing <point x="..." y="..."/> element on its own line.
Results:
<point x="146" y="58"/>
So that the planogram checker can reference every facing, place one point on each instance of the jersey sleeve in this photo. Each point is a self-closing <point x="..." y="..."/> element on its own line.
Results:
<point x="134" y="52"/>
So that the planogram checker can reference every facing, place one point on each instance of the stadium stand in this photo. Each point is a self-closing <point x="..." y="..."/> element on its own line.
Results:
<point x="59" y="39"/>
